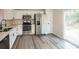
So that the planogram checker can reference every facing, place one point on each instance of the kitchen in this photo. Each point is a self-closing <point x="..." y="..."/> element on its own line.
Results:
<point x="13" y="20"/>
<point x="35" y="29"/>
<point x="30" y="24"/>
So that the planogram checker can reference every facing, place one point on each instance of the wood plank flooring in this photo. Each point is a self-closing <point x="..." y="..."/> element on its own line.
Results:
<point x="41" y="42"/>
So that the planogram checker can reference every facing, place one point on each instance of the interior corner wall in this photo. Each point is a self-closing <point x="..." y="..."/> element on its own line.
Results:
<point x="58" y="22"/>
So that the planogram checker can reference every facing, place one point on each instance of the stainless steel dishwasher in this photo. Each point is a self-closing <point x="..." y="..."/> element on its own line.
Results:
<point x="4" y="44"/>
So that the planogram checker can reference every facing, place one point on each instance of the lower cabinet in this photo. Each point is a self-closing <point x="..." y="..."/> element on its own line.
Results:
<point x="12" y="37"/>
<point x="19" y="30"/>
<point x="13" y="34"/>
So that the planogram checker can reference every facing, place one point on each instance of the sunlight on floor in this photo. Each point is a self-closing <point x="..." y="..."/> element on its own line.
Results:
<point x="71" y="26"/>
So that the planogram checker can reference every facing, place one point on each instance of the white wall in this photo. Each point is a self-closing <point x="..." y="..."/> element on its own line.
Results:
<point x="44" y="24"/>
<point x="58" y="22"/>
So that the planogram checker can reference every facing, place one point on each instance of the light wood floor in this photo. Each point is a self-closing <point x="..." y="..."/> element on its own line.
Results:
<point x="42" y="42"/>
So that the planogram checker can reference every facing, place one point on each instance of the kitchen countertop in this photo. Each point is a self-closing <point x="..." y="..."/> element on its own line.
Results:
<point x="4" y="34"/>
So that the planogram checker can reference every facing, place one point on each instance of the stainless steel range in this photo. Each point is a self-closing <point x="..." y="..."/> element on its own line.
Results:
<point x="27" y="23"/>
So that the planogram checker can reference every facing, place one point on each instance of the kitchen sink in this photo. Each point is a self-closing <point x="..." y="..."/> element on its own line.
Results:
<point x="6" y="29"/>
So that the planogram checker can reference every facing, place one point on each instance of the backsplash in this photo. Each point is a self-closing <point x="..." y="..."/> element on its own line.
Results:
<point x="13" y="22"/>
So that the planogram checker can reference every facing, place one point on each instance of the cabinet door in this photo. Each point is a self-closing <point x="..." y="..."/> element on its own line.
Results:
<point x="19" y="29"/>
<point x="11" y="39"/>
<point x="44" y="24"/>
<point x="15" y="34"/>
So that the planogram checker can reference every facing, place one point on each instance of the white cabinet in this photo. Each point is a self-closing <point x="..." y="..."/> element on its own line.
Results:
<point x="19" y="30"/>
<point x="12" y="37"/>
<point x="47" y="22"/>
<point x="8" y="14"/>
<point x="44" y="24"/>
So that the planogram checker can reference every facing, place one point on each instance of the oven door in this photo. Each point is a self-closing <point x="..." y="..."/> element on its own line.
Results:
<point x="26" y="27"/>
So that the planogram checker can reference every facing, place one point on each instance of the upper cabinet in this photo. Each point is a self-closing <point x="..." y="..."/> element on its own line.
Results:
<point x="8" y="14"/>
